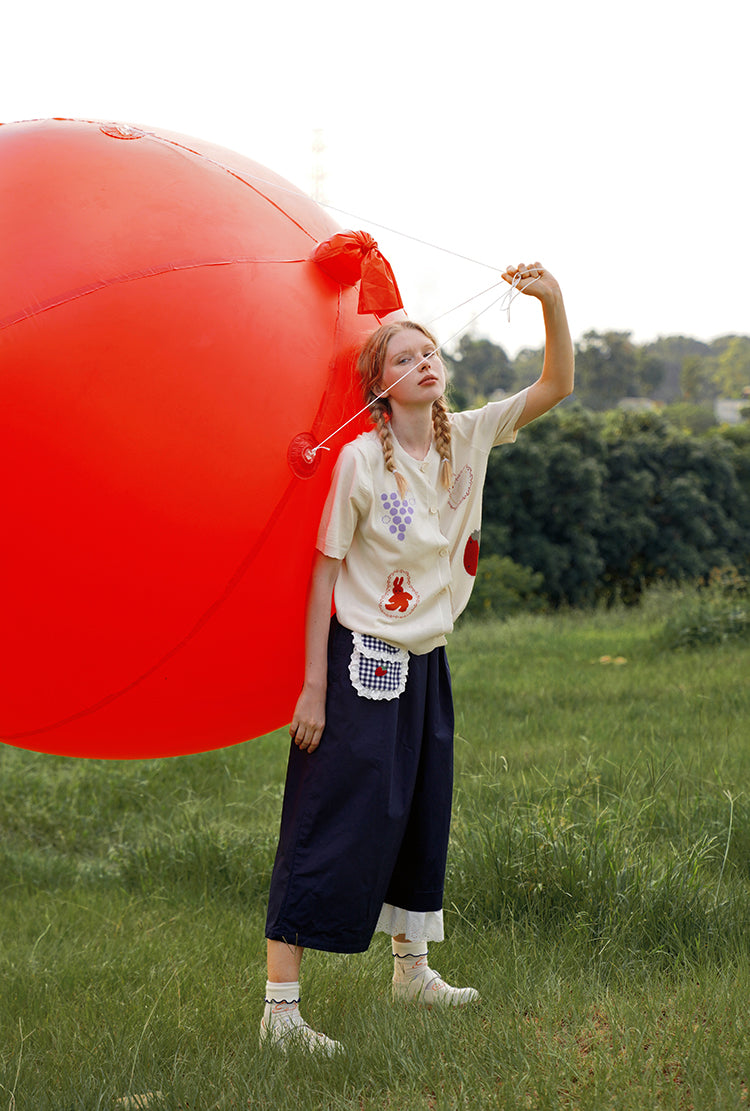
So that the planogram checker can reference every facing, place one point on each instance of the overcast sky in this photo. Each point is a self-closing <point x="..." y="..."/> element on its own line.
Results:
<point x="608" y="140"/>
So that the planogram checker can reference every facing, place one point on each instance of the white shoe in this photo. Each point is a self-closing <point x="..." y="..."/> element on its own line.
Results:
<point x="428" y="990"/>
<point x="287" y="1034"/>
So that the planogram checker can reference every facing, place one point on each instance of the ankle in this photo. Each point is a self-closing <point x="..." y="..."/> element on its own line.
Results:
<point x="409" y="959"/>
<point x="282" y="1002"/>
<point x="286" y="992"/>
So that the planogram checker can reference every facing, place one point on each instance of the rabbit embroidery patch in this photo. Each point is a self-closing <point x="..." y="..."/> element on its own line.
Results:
<point x="400" y="598"/>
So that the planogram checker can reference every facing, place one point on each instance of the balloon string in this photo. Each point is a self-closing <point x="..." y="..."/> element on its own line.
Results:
<point x="295" y="192"/>
<point x="276" y="186"/>
<point x="413" y="238"/>
<point x="474" y="297"/>
<point x="505" y="300"/>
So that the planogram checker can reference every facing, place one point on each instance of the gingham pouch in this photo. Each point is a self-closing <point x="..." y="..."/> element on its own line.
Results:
<point x="377" y="670"/>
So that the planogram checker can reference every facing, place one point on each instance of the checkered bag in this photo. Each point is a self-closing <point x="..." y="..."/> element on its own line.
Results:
<point x="377" y="670"/>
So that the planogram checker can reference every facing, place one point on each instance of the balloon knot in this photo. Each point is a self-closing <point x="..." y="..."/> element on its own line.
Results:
<point x="353" y="256"/>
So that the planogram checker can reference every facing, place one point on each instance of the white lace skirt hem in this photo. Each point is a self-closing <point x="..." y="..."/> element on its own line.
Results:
<point x="413" y="924"/>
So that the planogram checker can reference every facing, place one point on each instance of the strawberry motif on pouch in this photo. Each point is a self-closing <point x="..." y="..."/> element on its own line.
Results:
<point x="471" y="554"/>
<point x="377" y="670"/>
<point x="399" y="598"/>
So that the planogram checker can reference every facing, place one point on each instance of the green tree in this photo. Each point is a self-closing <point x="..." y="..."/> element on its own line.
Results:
<point x="737" y="439"/>
<point x="673" y="505"/>
<point x="687" y="417"/>
<point x="698" y="379"/>
<point x="542" y="498"/>
<point x="477" y="369"/>
<point x="527" y="366"/>
<point x="610" y="367"/>
<point x="732" y="369"/>
<point x="603" y="505"/>
<point x="673" y="352"/>
<point x="503" y="587"/>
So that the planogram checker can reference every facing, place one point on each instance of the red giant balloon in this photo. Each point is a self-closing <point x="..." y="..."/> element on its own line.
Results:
<point x="167" y="352"/>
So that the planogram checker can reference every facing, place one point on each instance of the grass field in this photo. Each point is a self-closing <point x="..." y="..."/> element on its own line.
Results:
<point x="598" y="896"/>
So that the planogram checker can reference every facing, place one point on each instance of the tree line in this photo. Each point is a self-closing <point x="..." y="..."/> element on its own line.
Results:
<point x="595" y="502"/>
<point x="672" y="370"/>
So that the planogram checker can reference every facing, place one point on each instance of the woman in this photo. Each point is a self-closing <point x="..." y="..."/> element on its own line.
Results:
<point x="366" y="814"/>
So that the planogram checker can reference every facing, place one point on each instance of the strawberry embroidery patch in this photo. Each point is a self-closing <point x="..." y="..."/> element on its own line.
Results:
<point x="400" y="598"/>
<point x="471" y="554"/>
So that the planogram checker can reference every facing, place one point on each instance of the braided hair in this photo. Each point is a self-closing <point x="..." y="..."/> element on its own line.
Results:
<point x="370" y="366"/>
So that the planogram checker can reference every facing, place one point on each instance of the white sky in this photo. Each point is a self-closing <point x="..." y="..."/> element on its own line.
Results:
<point x="608" y="140"/>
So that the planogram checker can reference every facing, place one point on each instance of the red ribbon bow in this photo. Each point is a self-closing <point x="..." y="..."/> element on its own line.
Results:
<point x="353" y="256"/>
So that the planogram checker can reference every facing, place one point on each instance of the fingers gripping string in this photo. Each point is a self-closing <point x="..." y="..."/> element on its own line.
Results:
<point x="505" y="301"/>
<point x="309" y="450"/>
<point x="510" y="295"/>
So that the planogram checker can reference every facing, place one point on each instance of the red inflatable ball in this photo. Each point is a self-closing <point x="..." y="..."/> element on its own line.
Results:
<point x="169" y="354"/>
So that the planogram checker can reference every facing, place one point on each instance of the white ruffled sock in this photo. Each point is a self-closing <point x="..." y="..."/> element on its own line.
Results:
<point x="282" y="1004"/>
<point x="409" y="960"/>
<point x="415" y="982"/>
<point x="283" y="1025"/>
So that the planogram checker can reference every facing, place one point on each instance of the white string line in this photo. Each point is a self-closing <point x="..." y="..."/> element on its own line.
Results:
<point x="508" y="296"/>
<point x="297" y="192"/>
<point x="474" y="297"/>
<point x="414" y="238"/>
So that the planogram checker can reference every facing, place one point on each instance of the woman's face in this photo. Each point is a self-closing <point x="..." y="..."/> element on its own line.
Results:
<point x="411" y="353"/>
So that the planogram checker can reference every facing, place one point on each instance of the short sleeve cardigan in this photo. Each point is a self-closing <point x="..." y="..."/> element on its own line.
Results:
<point x="409" y="562"/>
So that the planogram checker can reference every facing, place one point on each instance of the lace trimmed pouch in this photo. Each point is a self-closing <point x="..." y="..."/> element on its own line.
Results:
<point x="377" y="670"/>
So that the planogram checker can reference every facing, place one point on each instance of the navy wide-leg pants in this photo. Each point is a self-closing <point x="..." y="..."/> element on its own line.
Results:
<point x="366" y="817"/>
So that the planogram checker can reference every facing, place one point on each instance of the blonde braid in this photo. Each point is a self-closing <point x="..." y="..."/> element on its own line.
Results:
<point x="381" y="418"/>
<point x="442" y="431"/>
<point x="370" y="366"/>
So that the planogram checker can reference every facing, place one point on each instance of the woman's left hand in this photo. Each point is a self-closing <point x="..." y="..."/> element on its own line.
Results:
<point x="531" y="278"/>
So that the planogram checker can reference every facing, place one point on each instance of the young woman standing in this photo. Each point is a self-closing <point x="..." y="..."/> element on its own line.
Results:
<point x="366" y="813"/>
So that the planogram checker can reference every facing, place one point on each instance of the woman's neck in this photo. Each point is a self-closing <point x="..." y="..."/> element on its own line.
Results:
<point x="413" y="430"/>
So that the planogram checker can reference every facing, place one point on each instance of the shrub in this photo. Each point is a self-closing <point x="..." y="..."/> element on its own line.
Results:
<point x="504" y="587"/>
<point x="712" y="612"/>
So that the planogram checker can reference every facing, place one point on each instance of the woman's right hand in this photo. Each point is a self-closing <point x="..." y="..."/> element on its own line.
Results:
<point x="309" y="718"/>
<point x="310" y="712"/>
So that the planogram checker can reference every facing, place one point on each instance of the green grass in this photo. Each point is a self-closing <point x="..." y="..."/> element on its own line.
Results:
<point x="598" y="895"/>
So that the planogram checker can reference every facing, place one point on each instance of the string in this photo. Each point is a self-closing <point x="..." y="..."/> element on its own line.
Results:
<point x="276" y="186"/>
<point x="414" y="238"/>
<point x="455" y="308"/>
<point x="506" y="300"/>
